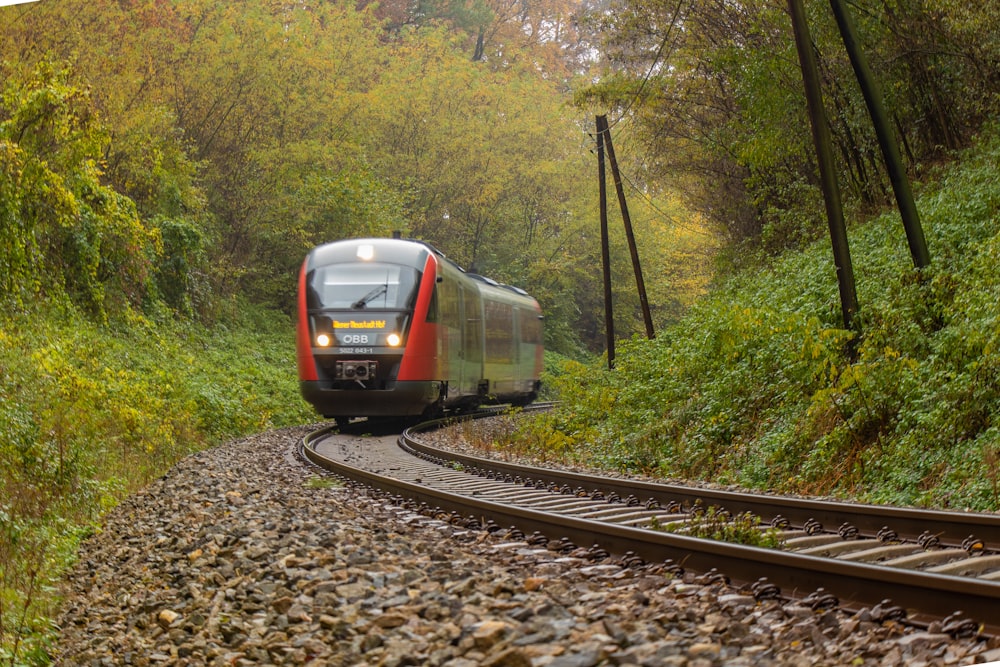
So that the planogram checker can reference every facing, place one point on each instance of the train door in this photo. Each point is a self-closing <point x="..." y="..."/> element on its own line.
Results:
<point x="518" y="359"/>
<point x="472" y="341"/>
<point x="450" y="350"/>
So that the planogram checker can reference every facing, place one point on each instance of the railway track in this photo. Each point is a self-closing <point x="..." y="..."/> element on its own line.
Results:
<point x="909" y="566"/>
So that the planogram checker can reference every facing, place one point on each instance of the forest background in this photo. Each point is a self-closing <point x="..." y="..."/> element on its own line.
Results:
<point x="166" y="164"/>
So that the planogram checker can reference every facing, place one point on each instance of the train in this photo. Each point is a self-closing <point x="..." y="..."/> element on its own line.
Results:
<point x="390" y="327"/>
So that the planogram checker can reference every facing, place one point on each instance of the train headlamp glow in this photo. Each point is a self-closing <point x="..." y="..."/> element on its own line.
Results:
<point x="393" y="340"/>
<point x="366" y="252"/>
<point x="323" y="340"/>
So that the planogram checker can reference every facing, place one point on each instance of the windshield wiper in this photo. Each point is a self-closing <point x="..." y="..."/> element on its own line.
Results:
<point x="375" y="293"/>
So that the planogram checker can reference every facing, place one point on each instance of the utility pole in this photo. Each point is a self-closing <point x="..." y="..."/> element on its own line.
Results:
<point x="602" y="128"/>
<point x="827" y="170"/>
<point x="609" y="318"/>
<point x="886" y="137"/>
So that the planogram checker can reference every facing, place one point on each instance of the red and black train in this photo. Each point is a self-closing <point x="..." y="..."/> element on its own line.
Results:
<point x="392" y="328"/>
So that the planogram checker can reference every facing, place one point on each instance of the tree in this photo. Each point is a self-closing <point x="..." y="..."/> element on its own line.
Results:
<point x="63" y="229"/>
<point x="717" y="94"/>
<point x="247" y="133"/>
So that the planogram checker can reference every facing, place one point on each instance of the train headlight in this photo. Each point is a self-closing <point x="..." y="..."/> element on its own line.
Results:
<point x="323" y="340"/>
<point x="393" y="340"/>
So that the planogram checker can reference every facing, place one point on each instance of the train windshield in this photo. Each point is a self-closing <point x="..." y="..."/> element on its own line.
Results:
<point x="356" y="286"/>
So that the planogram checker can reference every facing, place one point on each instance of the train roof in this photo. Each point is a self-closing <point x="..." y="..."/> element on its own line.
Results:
<point x="345" y="249"/>
<point x="490" y="281"/>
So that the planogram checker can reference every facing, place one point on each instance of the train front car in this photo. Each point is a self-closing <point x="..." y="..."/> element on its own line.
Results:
<point x="359" y="353"/>
<point x="391" y="328"/>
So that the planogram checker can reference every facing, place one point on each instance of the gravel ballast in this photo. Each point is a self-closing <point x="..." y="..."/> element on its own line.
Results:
<point x="243" y="555"/>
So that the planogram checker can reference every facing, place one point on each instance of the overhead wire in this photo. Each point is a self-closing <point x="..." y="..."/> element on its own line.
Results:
<point x="652" y="66"/>
<point x="624" y="115"/>
<point x="669" y="217"/>
<point x="672" y="219"/>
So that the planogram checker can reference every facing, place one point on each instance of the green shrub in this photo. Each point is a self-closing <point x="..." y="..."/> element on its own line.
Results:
<point x="90" y="413"/>
<point x="57" y="219"/>
<point x="759" y="385"/>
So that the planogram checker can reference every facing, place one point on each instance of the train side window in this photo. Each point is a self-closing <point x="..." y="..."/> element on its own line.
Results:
<point x="499" y="333"/>
<point x="432" y="307"/>
<point x="472" y="327"/>
<point x="449" y="305"/>
<point x="531" y="326"/>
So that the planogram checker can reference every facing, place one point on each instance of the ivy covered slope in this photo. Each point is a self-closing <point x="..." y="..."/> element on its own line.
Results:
<point x="106" y="376"/>
<point x="758" y="385"/>
<point x="89" y="413"/>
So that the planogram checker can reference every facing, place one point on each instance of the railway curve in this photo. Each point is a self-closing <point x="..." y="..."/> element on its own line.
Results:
<point x="576" y="514"/>
<point x="244" y="555"/>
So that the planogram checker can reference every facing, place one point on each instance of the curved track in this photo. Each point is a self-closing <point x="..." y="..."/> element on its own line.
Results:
<point x="903" y="564"/>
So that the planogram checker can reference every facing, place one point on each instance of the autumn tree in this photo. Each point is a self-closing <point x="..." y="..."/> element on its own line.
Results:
<point x="716" y="88"/>
<point x="245" y="134"/>
<point x="62" y="229"/>
<point x="482" y="155"/>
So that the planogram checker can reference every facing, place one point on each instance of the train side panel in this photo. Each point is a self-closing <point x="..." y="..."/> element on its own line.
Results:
<point x="531" y="351"/>
<point x="460" y="337"/>
<point x="421" y="357"/>
<point x="512" y="346"/>
<point x="303" y="344"/>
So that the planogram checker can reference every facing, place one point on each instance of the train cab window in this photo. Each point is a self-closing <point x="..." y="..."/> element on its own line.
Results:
<point x="364" y="286"/>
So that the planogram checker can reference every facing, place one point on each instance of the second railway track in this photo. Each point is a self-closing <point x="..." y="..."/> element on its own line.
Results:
<point x="912" y="566"/>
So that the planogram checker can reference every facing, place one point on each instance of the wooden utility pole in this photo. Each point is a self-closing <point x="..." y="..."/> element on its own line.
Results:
<point x="827" y="170"/>
<point x="886" y="137"/>
<point x="609" y="318"/>
<point x="647" y="318"/>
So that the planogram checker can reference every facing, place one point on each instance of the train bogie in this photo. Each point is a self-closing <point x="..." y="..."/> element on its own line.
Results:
<point x="390" y="327"/>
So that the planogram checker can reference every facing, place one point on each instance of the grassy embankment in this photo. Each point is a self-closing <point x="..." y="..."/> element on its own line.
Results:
<point x="758" y="386"/>
<point x="90" y="413"/>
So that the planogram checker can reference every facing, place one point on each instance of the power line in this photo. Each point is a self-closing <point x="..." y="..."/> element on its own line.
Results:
<point x="632" y="102"/>
<point x="649" y="201"/>
<point x="656" y="61"/>
<point x="670" y="218"/>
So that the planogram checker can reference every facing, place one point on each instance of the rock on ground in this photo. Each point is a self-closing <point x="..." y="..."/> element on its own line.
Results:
<point x="242" y="555"/>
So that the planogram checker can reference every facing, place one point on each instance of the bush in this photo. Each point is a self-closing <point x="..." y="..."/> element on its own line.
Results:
<point x="62" y="229"/>
<point x="759" y="386"/>
<point x="90" y="413"/>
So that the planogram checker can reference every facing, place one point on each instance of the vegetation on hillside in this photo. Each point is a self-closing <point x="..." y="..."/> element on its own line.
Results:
<point x="90" y="413"/>
<point x="713" y="93"/>
<point x="758" y="385"/>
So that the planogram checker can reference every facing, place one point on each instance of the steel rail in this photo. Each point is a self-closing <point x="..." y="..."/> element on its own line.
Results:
<point x="952" y="528"/>
<point x="925" y="596"/>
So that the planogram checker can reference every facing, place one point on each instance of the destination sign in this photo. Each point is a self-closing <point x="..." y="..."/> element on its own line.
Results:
<point x="364" y="324"/>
